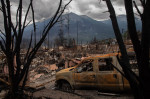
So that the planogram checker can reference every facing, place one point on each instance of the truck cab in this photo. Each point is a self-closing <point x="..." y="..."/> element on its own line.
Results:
<point x="97" y="72"/>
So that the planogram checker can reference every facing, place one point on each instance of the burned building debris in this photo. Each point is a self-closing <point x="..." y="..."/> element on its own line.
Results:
<point x="49" y="61"/>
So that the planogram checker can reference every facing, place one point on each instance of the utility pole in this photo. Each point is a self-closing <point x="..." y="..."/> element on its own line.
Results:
<point x="48" y="40"/>
<point x="61" y="32"/>
<point x="77" y="32"/>
<point x="68" y="26"/>
<point x="122" y="33"/>
<point x="45" y="38"/>
<point x="40" y="34"/>
<point x="34" y="38"/>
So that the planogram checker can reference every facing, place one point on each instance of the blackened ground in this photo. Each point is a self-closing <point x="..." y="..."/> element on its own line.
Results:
<point x="79" y="94"/>
<point x="50" y="93"/>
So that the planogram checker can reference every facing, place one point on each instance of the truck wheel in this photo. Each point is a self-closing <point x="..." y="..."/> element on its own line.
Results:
<point x="66" y="87"/>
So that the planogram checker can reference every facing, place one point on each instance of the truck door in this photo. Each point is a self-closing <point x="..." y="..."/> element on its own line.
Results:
<point x="84" y="76"/>
<point x="107" y="78"/>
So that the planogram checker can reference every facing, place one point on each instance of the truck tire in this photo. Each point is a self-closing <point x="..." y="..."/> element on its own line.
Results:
<point x="66" y="87"/>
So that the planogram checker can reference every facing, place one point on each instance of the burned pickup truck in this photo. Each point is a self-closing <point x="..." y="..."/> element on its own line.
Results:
<point x="99" y="72"/>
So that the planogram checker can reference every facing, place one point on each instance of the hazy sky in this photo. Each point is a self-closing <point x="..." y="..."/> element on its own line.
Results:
<point x="45" y="8"/>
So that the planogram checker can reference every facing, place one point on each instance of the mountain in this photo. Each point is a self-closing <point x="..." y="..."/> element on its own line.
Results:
<point x="122" y="21"/>
<point x="88" y="28"/>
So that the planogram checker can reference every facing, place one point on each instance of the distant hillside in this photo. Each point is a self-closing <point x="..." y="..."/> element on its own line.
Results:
<point x="88" y="28"/>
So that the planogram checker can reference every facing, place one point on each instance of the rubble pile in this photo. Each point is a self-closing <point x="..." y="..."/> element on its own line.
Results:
<point x="47" y="63"/>
<point x="43" y="68"/>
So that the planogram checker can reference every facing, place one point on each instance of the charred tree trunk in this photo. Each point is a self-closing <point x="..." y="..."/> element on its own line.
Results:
<point x="124" y="62"/>
<point x="12" y="40"/>
<point x="141" y="48"/>
<point x="145" y="65"/>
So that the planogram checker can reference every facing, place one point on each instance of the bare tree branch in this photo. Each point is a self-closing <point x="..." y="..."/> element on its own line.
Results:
<point x="33" y="16"/>
<point x="137" y="9"/>
<point x="35" y="49"/>
<point x="14" y="36"/>
<point x="51" y="21"/>
<point x="9" y="16"/>
<point x="26" y="57"/>
<point x="56" y="20"/>
<point x="62" y="11"/>
<point x="105" y="11"/>
<point x="19" y="39"/>
<point x="28" y="48"/>
<point x="132" y="31"/>
<point x="9" y="24"/>
<point x="53" y="18"/>
<point x="119" y="60"/>
<point x="1" y="9"/>
<point x="26" y="17"/>
<point x="25" y="78"/>
<point x="2" y="33"/>
<point x="12" y="42"/>
<point x="3" y="39"/>
<point x="124" y="63"/>
<point x="137" y="14"/>
<point x="143" y="2"/>
<point x="2" y="47"/>
<point x="14" y="30"/>
<point x="122" y="73"/>
<point x="28" y="23"/>
<point x="8" y="37"/>
<point x="17" y="18"/>
<point x="20" y="19"/>
<point x="50" y="24"/>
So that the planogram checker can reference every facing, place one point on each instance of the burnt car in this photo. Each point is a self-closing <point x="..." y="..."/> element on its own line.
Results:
<point x="99" y="72"/>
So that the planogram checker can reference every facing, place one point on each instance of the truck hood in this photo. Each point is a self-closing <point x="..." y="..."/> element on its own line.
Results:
<point x="66" y="70"/>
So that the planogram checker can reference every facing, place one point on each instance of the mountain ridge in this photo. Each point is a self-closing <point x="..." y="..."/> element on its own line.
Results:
<point x="87" y="30"/>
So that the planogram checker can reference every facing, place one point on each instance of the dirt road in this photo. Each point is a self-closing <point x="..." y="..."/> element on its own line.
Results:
<point x="79" y="94"/>
<point x="50" y="93"/>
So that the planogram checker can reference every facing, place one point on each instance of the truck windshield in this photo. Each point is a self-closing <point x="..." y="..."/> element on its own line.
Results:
<point x="85" y="66"/>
